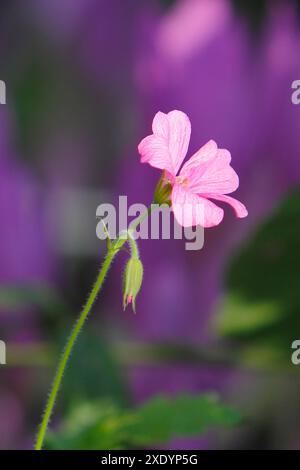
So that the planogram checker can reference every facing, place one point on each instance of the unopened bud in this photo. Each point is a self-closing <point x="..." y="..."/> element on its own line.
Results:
<point x="133" y="277"/>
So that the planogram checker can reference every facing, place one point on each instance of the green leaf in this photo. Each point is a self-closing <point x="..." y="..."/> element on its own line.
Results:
<point x="97" y="425"/>
<point x="162" y="418"/>
<point x="102" y="425"/>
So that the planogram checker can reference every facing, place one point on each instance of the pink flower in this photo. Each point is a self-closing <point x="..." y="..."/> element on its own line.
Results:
<point x="206" y="175"/>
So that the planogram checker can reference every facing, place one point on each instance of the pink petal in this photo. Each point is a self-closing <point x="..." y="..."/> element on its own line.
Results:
<point x="191" y="210"/>
<point x="209" y="171"/>
<point x="238" y="207"/>
<point x="167" y="146"/>
<point x="205" y="154"/>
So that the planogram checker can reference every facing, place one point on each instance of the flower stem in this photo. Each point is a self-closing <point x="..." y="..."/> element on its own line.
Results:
<point x="69" y="347"/>
<point x="112" y="252"/>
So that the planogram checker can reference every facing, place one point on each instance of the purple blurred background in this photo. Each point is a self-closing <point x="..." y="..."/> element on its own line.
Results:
<point x="84" y="80"/>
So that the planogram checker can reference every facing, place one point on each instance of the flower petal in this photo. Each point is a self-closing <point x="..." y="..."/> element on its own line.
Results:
<point x="191" y="210"/>
<point x="205" y="154"/>
<point x="239" y="208"/>
<point x="209" y="170"/>
<point x="167" y="146"/>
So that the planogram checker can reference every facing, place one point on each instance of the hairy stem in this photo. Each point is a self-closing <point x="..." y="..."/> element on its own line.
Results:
<point x="69" y="347"/>
<point x="112" y="252"/>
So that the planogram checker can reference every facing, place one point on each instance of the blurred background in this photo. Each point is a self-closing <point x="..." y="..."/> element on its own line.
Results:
<point x="83" y="80"/>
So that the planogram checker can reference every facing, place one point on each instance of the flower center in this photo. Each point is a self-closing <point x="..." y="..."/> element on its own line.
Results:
<point x="182" y="181"/>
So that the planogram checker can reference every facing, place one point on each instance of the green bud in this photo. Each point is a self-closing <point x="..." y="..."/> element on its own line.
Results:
<point x="162" y="193"/>
<point x="133" y="277"/>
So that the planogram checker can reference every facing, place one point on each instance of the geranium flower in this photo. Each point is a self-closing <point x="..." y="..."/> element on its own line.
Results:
<point x="206" y="175"/>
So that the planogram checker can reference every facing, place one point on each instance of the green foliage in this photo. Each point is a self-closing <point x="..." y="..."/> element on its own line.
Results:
<point x="261" y="313"/>
<point x="97" y="425"/>
<point x="32" y="94"/>
<point x="92" y="372"/>
<point x="25" y="296"/>
<point x="102" y="425"/>
<point x="162" y="418"/>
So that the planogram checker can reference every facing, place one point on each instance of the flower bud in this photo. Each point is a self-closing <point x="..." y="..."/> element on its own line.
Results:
<point x="133" y="277"/>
